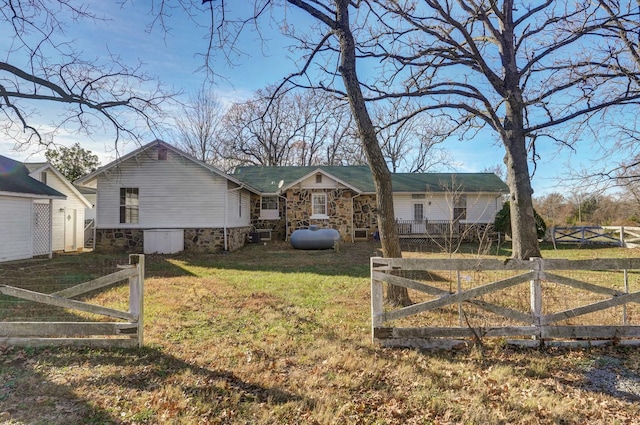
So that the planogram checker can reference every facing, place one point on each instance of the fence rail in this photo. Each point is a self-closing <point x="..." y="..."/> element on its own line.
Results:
<point x="608" y="235"/>
<point x="127" y="333"/>
<point x="510" y="306"/>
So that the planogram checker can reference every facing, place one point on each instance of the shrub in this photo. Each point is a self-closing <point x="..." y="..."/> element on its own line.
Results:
<point x="503" y="221"/>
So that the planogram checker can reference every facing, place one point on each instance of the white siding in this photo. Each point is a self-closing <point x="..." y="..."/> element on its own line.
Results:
<point x="173" y="193"/>
<point x="90" y="213"/>
<point x="15" y="228"/>
<point x="238" y="216"/>
<point x="326" y="183"/>
<point x="481" y="208"/>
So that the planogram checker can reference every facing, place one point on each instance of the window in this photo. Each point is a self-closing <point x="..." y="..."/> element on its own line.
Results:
<point x="43" y="177"/>
<point x="269" y="207"/>
<point x="418" y="196"/>
<point x="269" y="203"/>
<point x="318" y="178"/>
<point x="129" y="205"/>
<point x="239" y="204"/>
<point x="319" y="204"/>
<point x="460" y="207"/>
<point x="162" y="154"/>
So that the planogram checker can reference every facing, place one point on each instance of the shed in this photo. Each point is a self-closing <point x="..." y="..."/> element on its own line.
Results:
<point x="26" y="205"/>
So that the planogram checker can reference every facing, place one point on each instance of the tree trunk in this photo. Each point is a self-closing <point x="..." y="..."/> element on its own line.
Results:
<point x="396" y="295"/>
<point x="523" y="224"/>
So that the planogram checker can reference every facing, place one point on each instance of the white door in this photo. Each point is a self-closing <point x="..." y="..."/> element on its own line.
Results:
<point x="418" y="225"/>
<point x="70" y="229"/>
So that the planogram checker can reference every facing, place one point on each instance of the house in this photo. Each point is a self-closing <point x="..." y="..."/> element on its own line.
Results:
<point x="158" y="199"/>
<point x="68" y="219"/>
<point x="425" y="204"/>
<point x="26" y="213"/>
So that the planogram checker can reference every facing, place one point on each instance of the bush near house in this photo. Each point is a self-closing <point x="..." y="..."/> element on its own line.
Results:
<point x="503" y="221"/>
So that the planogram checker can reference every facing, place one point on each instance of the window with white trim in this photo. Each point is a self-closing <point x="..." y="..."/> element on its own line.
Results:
<point x="269" y="207"/>
<point x="460" y="207"/>
<point x="318" y="205"/>
<point x="129" y="205"/>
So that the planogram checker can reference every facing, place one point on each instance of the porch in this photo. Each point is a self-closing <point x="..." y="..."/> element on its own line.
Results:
<point x="416" y="230"/>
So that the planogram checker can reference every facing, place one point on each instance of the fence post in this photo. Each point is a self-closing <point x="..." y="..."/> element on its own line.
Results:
<point x="625" y="321"/>
<point x="535" y="290"/>
<point x="136" y="294"/>
<point x="377" y="302"/>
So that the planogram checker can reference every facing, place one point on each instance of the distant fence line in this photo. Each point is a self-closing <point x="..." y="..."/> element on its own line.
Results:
<point x="624" y="236"/>
<point x="526" y="302"/>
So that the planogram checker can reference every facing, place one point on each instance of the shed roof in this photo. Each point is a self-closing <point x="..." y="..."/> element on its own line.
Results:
<point x="14" y="178"/>
<point x="38" y="167"/>
<point x="267" y="179"/>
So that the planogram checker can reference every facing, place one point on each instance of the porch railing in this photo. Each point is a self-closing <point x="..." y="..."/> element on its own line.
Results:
<point x="428" y="227"/>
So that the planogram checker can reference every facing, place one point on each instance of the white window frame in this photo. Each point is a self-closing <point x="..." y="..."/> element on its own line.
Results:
<point x="128" y="204"/>
<point x="460" y="208"/>
<point x="315" y="205"/>
<point x="270" y="213"/>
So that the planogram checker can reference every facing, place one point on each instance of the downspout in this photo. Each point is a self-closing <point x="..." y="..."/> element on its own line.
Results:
<point x="226" y="214"/>
<point x="353" y="226"/>
<point x="286" y="218"/>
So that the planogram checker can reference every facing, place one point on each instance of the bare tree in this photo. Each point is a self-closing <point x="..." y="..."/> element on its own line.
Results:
<point x="411" y="145"/>
<point x="526" y="70"/>
<point x="265" y="129"/>
<point x="42" y="72"/>
<point x="294" y="127"/>
<point x="200" y="126"/>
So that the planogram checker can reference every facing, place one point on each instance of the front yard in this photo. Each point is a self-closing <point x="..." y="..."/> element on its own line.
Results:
<point x="271" y="335"/>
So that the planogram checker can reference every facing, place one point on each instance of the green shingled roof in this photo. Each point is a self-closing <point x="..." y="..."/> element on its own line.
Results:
<point x="14" y="177"/>
<point x="266" y="179"/>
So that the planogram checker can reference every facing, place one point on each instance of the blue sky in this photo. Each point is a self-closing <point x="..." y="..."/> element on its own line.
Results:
<point x="173" y="58"/>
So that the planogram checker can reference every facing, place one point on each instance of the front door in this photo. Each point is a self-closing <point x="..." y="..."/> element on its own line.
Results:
<point x="418" y="225"/>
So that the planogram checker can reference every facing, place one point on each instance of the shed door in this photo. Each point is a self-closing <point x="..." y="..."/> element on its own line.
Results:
<point x="70" y="229"/>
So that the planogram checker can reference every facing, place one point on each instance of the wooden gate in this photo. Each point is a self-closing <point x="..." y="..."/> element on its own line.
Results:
<point x="533" y="302"/>
<point x="126" y="333"/>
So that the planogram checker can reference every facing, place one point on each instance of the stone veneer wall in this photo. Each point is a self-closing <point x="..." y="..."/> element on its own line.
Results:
<point x="195" y="240"/>
<point x="278" y="227"/>
<point x="365" y="215"/>
<point x="119" y="240"/>
<point x="339" y="210"/>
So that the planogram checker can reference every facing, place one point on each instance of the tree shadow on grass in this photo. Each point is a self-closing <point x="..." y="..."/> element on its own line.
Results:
<point x="118" y="386"/>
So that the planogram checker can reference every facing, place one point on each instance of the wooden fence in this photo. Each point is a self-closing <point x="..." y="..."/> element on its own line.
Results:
<point x="608" y="235"/>
<point x="629" y="237"/>
<point x="125" y="333"/>
<point x="531" y="302"/>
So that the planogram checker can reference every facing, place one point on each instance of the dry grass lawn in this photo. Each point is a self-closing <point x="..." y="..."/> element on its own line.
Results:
<point x="270" y="335"/>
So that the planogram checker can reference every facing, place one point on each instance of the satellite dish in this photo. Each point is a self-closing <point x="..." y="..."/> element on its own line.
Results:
<point x="280" y="183"/>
